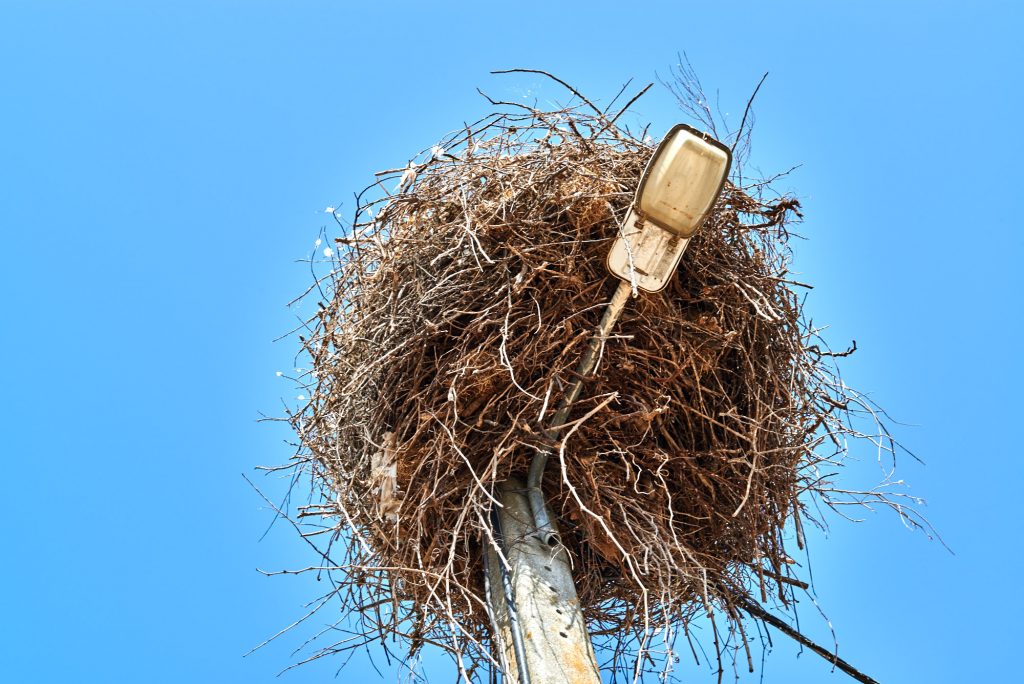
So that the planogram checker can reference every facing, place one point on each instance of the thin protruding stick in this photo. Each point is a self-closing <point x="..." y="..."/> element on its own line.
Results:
<point x="761" y="614"/>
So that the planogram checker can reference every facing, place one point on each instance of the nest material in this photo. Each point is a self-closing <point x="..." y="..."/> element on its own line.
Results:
<point x="455" y="315"/>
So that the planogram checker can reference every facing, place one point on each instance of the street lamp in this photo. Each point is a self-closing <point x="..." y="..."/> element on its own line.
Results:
<point x="531" y="596"/>
<point x="677" y="191"/>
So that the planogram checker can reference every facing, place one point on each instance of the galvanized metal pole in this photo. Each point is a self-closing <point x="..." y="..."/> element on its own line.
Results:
<point x="534" y="602"/>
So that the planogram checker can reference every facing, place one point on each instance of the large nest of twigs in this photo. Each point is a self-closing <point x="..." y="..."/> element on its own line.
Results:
<point x="459" y="303"/>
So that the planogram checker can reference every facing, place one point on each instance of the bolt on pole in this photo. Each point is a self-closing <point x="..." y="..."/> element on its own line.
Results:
<point x="533" y="601"/>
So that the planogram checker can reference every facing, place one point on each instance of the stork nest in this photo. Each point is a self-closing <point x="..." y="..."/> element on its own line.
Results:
<point x="456" y="310"/>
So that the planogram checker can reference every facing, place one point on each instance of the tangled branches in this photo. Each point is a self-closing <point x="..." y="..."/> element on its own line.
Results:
<point x="455" y="314"/>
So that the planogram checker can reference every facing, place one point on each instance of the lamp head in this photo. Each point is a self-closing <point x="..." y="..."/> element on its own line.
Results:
<point x="682" y="180"/>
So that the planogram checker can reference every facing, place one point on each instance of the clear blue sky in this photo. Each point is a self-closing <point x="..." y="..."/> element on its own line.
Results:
<point x="164" y="164"/>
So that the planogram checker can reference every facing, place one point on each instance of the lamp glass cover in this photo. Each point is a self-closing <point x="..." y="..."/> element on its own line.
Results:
<point x="682" y="181"/>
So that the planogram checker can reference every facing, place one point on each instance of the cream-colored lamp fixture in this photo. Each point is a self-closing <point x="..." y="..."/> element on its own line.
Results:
<point x="677" y="191"/>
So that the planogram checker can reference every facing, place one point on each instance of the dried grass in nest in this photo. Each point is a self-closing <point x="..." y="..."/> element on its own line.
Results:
<point x="454" y="316"/>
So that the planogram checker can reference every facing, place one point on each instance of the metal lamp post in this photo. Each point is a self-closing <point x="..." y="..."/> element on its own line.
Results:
<point x="530" y="590"/>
